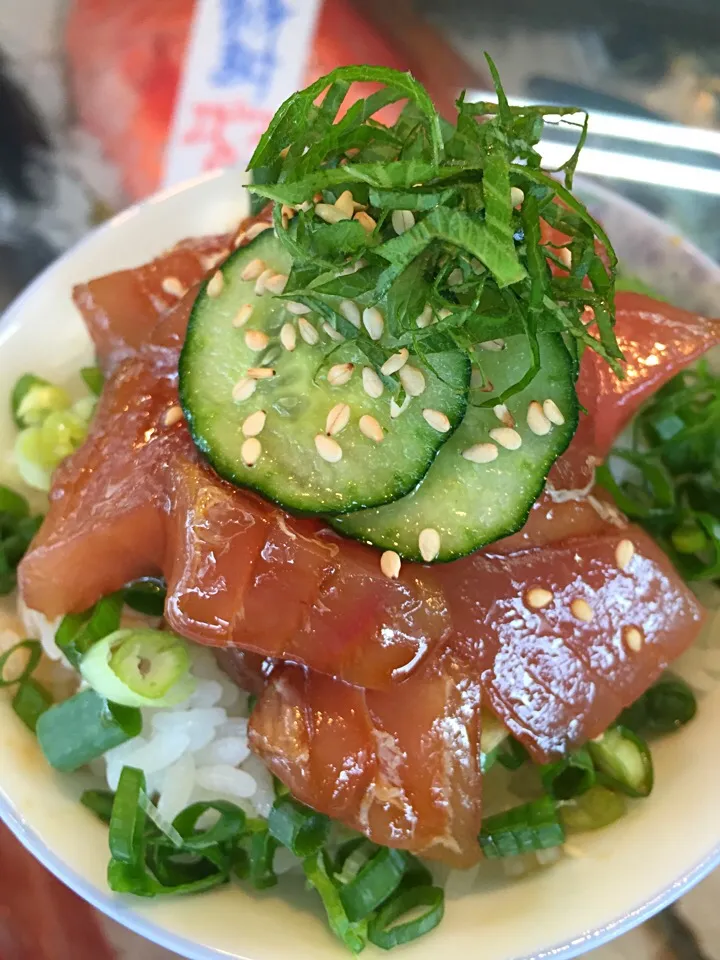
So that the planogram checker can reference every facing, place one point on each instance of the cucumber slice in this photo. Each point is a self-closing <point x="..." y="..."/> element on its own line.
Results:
<point x="280" y="450"/>
<point x="470" y="504"/>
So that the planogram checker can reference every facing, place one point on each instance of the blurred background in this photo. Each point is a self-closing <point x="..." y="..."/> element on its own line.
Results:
<point x="103" y="102"/>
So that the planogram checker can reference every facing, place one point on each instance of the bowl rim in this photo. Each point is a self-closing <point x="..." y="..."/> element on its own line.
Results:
<point x="121" y="910"/>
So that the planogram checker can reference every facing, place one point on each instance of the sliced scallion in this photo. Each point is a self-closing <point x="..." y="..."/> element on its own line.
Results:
<point x="127" y="822"/>
<point x="94" y="379"/>
<point x="99" y="802"/>
<point x="665" y="707"/>
<point x="523" y="829"/>
<point x="146" y="595"/>
<point x="318" y="873"/>
<point x="385" y="932"/>
<point x="78" y="632"/>
<point x="31" y="700"/>
<point x="374" y="883"/>
<point x="597" y="808"/>
<point x="623" y="762"/>
<point x="34" y="652"/>
<point x="228" y="827"/>
<point x="297" y="827"/>
<point x="569" y="777"/>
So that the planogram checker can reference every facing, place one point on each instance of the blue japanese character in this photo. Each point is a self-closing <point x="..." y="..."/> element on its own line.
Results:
<point x="249" y="32"/>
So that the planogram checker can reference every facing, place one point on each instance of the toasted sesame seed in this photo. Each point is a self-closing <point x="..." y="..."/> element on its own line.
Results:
<point x="390" y="564"/>
<point x="331" y="213"/>
<point x="243" y="315"/>
<point x="402" y="220"/>
<point x="329" y="449"/>
<point x="506" y="437"/>
<point x="429" y="544"/>
<point x="317" y="197"/>
<point x="581" y="610"/>
<point x="633" y="639"/>
<point x="244" y="389"/>
<point x="397" y="408"/>
<point x="537" y="421"/>
<point x="277" y="283"/>
<point x="372" y="384"/>
<point x="396" y="362"/>
<point x="444" y="313"/>
<point x="365" y="221"/>
<point x="552" y="412"/>
<point x="256" y="340"/>
<point x="240" y="238"/>
<point x="261" y="373"/>
<point x="455" y="277"/>
<point x="565" y="257"/>
<point x="306" y="205"/>
<point x="350" y="310"/>
<point x="339" y="374"/>
<point x="476" y="266"/>
<point x="297" y="309"/>
<point x="308" y="332"/>
<point x="337" y="419"/>
<point x="287" y="213"/>
<point x="425" y="318"/>
<point x="173" y="415"/>
<point x="370" y="428"/>
<point x="624" y="553"/>
<point x="538" y="597"/>
<point x="253" y="270"/>
<point x="504" y="415"/>
<point x="250" y="451"/>
<point x="288" y="336"/>
<point x="494" y="346"/>
<point x="253" y="425"/>
<point x="481" y="453"/>
<point x="437" y="420"/>
<point x="353" y="268"/>
<point x="263" y="280"/>
<point x="210" y="261"/>
<point x="255" y="229"/>
<point x="516" y="196"/>
<point x="412" y="380"/>
<point x="332" y="332"/>
<point x="215" y="284"/>
<point x="374" y="322"/>
<point x="173" y="287"/>
<point x="346" y="204"/>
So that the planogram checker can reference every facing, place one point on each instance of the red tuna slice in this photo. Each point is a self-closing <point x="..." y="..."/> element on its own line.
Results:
<point x="569" y="634"/>
<point x="401" y="767"/>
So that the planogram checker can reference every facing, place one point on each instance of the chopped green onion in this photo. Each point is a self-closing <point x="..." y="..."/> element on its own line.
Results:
<point x="34" y="652"/>
<point x="32" y="398"/>
<point x="41" y="447"/>
<point x="12" y="505"/>
<point x="351" y="857"/>
<point x="374" y="883"/>
<point x="17" y="528"/>
<point x="94" y="379"/>
<point x="383" y="930"/>
<point x="318" y="873"/>
<point x="597" y="808"/>
<point x="78" y="632"/>
<point x="297" y="827"/>
<point x="261" y="853"/>
<point x="665" y="707"/>
<point x="511" y="754"/>
<point x="524" y="829"/>
<point x="146" y="595"/>
<point x="31" y="700"/>
<point x="86" y="726"/>
<point x="569" y="777"/>
<point x="99" y="802"/>
<point x="229" y="825"/>
<point x="127" y="822"/>
<point x="623" y="762"/>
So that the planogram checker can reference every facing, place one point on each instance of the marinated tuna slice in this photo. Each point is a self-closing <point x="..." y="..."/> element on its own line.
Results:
<point x="568" y="634"/>
<point x="401" y="767"/>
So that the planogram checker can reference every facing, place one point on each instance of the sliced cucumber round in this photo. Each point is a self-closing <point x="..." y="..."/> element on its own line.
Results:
<point x="279" y="402"/>
<point x="463" y="504"/>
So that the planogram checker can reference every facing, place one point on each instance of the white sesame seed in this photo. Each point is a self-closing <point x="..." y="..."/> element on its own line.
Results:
<point x="173" y="287"/>
<point x="374" y="322"/>
<point x="297" y="309"/>
<point x="253" y="425"/>
<point x="288" y="336"/>
<point x="581" y="610"/>
<point x="481" y="453"/>
<point x="516" y="196"/>
<point x="253" y="270"/>
<point x="261" y="373"/>
<point x="437" y="420"/>
<point x="506" y="437"/>
<point x="350" y="310"/>
<point x="429" y="544"/>
<point x="277" y="283"/>
<point x="353" y="268"/>
<point x="240" y="238"/>
<point x="538" y="597"/>
<point x="390" y="564"/>
<point x="308" y="332"/>
<point x="365" y="221"/>
<point x="443" y="313"/>
<point x="396" y="362"/>
<point x="255" y="229"/>
<point x="537" y="421"/>
<point x="565" y="257"/>
<point x="209" y="262"/>
<point x="243" y="315"/>
<point x="455" y="277"/>
<point x="633" y="639"/>
<point x="346" y="204"/>
<point x="262" y="281"/>
<point x="425" y="318"/>
<point x="329" y="449"/>
<point x="256" y="340"/>
<point x="250" y="451"/>
<point x="402" y="220"/>
<point x="372" y="384"/>
<point x="174" y="415"/>
<point x="397" y="408"/>
<point x="494" y="346"/>
<point x="412" y="380"/>
<point x="337" y="419"/>
<point x="370" y="428"/>
<point x="332" y="332"/>
<point x="215" y="284"/>
<point x="624" y="553"/>
<point x="305" y="206"/>
<point x="552" y="412"/>
<point x="476" y="266"/>
<point x="330" y="213"/>
<point x="244" y="389"/>
<point x="504" y="415"/>
<point x="339" y="374"/>
<point x="287" y="213"/>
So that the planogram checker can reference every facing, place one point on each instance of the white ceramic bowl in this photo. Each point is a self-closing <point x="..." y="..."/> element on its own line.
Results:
<point x="626" y="872"/>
